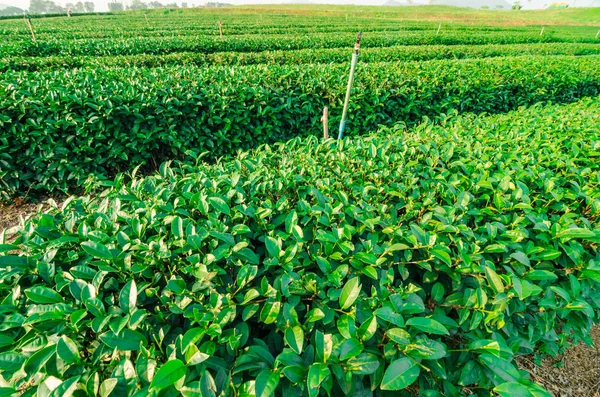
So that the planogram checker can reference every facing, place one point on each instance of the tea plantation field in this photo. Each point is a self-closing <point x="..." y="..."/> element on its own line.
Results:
<point x="213" y="244"/>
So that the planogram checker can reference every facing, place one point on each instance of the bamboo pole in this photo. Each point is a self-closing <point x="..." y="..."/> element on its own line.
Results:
<point x="438" y="31"/>
<point x="28" y="21"/>
<point x="148" y="22"/>
<point x="597" y="34"/>
<point x="350" y="81"/>
<point x="221" y="29"/>
<point x="325" y="120"/>
<point x="542" y="31"/>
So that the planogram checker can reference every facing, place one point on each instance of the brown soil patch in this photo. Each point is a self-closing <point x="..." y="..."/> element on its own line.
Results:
<point x="576" y="373"/>
<point x="11" y="214"/>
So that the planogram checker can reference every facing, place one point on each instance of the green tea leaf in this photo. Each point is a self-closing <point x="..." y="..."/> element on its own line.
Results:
<point x="400" y="374"/>
<point x="125" y="340"/>
<point x="220" y="205"/>
<point x="169" y="373"/>
<point x="66" y="388"/>
<point x="41" y="294"/>
<point x="11" y="361"/>
<point x="96" y="250"/>
<point x="266" y="383"/>
<point x="294" y="337"/>
<point x="128" y="297"/>
<point x="427" y="325"/>
<point x="350" y="293"/>
<point x="67" y="350"/>
<point x="350" y="348"/>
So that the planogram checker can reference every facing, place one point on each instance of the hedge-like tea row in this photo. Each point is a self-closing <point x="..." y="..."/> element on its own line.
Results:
<point x="58" y="127"/>
<point x="187" y="22"/>
<point x="137" y="26"/>
<point x="421" y="261"/>
<point x="254" y="43"/>
<point x="307" y="56"/>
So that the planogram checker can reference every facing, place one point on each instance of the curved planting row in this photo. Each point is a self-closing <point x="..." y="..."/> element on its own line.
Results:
<point x="58" y="127"/>
<point x="306" y="56"/>
<point x="408" y="262"/>
<point x="157" y="27"/>
<point x="255" y="43"/>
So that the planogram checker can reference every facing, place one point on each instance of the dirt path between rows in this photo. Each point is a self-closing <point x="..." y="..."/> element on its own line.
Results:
<point x="575" y="374"/>
<point x="11" y="215"/>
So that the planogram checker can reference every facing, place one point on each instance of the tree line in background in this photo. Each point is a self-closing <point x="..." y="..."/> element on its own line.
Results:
<point x="139" y="5"/>
<point x="115" y="5"/>
<point x="50" y="7"/>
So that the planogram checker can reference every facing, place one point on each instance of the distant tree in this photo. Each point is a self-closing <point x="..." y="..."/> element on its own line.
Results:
<point x="11" y="11"/>
<point x="499" y="6"/>
<point x="44" y="7"/>
<point x="137" y="5"/>
<point x="88" y="6"/>
<point x="485" y="7"/>
<point x="115" y="6"/>
<point x="78" y="7"/>
<point x="37" y="7"/>
<point x="184" y="5"/>
<point x="155" y="4"/>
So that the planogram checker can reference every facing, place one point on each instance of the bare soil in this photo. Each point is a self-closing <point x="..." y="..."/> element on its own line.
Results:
<point x="574" y="374"/>
<point x="9" y="214"/>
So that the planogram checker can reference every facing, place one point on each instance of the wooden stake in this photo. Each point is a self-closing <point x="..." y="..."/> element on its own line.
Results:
<point x="598" y="34"/>
<point x="325" y="120"/>
<point x="28" y="20"/>
<point x="221" y="29"/>
<point x="438" y="31"/>
<point x="542" y="32"/>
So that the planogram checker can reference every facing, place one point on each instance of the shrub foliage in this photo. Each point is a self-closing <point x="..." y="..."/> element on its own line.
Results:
<point x="418" y="261"/>
<point x="60" y="126"/>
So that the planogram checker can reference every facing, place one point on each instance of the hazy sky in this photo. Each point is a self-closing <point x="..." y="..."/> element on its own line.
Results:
<point x="102" y="5"/>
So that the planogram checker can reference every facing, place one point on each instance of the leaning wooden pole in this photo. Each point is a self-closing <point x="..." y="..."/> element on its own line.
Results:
<point x="220" y="29"/>
<point x="28" y="21"/>
<point x="350" y="81"/>
<point x="598" y="34"/>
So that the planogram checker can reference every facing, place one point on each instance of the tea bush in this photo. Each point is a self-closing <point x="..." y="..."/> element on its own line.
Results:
<point x="58" y="127"/>
<point x="408" y="262"/>
<point x="258" y="42"/>
<point x="305" y="56"/>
